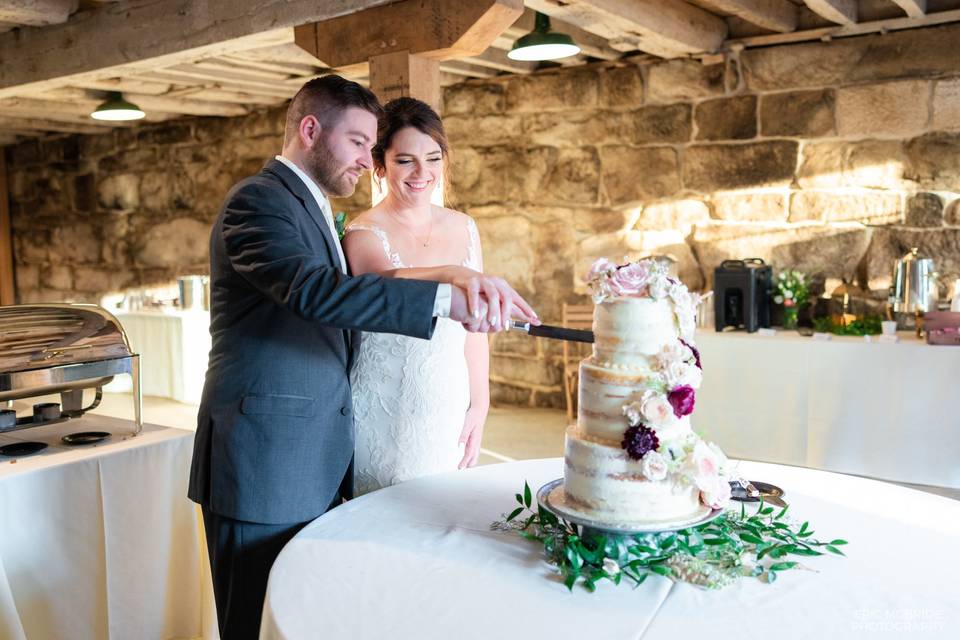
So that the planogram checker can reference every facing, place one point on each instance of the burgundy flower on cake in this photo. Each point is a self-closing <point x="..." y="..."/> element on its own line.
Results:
<point x="682" y="399"/>
<point x="639" y="440"/>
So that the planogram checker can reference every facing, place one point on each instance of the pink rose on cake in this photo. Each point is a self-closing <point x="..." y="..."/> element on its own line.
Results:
<point x="630" y="280"/>
<point x="656" y="409"/>
<point x="705" y="464"/>
<point x="653" y="466"/>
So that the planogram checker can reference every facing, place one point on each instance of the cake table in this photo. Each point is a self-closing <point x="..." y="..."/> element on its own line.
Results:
<point x="419" y="560"/>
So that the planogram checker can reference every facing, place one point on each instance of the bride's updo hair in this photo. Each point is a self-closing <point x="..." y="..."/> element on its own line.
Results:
<point x="408" y="112"/>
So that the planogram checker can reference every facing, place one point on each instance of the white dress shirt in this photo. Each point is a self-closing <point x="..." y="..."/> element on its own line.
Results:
<point x="441" y="304"/>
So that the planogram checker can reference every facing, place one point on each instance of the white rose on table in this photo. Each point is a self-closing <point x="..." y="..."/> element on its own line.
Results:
<point x="654" y="466"/>
<point x="656" y="410"/>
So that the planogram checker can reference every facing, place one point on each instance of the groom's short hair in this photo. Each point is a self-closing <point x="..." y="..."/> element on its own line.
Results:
<point x="326" y="98"/>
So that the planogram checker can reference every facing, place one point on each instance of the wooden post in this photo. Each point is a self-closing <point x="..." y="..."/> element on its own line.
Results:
<point x="6" y="238"/>
<point x="393" y="75"/>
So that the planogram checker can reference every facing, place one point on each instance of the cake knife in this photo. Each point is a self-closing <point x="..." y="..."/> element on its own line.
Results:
<point x="555" y="333"/>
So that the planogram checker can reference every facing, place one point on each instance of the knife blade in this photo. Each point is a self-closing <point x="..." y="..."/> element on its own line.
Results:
<point x="553" y="332"/>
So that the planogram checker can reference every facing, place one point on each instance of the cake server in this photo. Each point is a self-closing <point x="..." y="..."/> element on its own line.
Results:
<point x="556" y="333"/>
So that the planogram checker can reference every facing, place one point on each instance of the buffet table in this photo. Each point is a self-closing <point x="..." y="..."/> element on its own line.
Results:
<point x="173" y="348"/>
<point x="418" y="560"/>
<point x="885" y="411"/>
<point x="100" y="541"/>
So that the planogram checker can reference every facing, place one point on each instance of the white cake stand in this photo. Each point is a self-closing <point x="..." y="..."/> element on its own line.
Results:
<point x="552" y="498"/>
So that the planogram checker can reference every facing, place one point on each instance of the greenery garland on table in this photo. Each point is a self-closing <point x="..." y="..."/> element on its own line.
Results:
<point x="711" y="555"/>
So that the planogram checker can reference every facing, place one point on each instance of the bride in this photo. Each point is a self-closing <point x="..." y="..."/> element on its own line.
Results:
<point x="419" y="405"/>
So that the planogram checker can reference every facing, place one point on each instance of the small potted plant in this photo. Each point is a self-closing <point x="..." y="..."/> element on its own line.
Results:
<point x="792" y="294"/>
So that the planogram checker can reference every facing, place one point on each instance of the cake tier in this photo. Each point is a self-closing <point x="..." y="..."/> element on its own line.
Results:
<point x="606" y="484"/>
<point x="627" y="331"/>
<point x="602" y="394"/>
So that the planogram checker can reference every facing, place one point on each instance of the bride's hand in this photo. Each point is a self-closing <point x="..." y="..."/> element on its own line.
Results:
<point x="471" y="436"/>
<point x="502" y="302"/>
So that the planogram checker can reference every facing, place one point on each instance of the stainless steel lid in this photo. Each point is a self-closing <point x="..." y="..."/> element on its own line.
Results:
<point x="46" y="335"/>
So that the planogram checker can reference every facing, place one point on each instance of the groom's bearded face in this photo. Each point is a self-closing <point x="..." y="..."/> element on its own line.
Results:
<point x="342" y="152"/>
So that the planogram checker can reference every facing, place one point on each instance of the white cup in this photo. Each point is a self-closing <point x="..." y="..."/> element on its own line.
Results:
<point x="889" y="327"/>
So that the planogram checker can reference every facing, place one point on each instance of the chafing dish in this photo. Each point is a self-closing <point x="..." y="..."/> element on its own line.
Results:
<point x="63" y="348"/>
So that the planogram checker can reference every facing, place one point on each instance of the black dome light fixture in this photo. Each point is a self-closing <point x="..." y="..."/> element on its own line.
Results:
<point x="542" y="43"/>
<point x="115" y="108"/>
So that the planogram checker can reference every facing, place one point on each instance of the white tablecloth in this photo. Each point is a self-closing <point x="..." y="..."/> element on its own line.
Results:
<point x="173" y="348"/>
<point x="885" y="411"/>
<point x="100" y="541"/>
<point x="418" y="560"/>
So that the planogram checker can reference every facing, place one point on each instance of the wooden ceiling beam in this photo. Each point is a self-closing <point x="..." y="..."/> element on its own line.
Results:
<point x="40" y="125"/>
<point x="497" y="59"/>
<point x="435" y="29"/>
<point x="667" y="28"/>
<point x="147" y="34"/>
<point x="838" y="11"/>
<point x="913" y="8"/>
<point x="775" y="15"/>
<point x="36" y="13"/>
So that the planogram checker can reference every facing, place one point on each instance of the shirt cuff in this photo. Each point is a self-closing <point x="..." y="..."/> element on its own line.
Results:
<point x="441" y="304"/>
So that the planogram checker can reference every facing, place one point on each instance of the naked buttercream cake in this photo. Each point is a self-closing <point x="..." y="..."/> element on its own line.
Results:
<point x="632" y="457"/>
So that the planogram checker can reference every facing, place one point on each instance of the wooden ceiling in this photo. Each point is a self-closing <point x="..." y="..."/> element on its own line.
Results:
<point x="175" y="58"/>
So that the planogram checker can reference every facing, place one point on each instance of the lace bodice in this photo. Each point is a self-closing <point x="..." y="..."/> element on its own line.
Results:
<point x="410" y="395"/>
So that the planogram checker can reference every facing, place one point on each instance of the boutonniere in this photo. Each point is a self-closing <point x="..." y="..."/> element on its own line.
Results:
<point x="340" y="223"/>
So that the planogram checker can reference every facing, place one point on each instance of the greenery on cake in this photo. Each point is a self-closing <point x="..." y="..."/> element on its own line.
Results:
<point x="736" y="544"/>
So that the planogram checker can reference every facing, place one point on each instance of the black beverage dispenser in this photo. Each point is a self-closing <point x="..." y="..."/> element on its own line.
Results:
<point x="742" y="294"/>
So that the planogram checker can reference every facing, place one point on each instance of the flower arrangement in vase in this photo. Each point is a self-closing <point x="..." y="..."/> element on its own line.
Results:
<point x="792" y="294"/>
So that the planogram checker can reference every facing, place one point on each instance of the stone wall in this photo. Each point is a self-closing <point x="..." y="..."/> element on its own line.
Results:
<point x="834" y="158"/>
<point x="96" y="214"/>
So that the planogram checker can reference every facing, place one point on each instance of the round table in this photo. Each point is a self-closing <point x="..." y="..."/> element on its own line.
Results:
<point x="418" y="560"/>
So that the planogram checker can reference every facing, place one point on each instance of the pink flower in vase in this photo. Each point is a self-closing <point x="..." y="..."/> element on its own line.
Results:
<point x="682" y="400"/>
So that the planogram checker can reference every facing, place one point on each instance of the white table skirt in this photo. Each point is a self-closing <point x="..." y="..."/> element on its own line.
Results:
<point x="173" y="348"/>
<point x="101" y="541"/>
<point x="885" y="411"/>
<point x="418" y="560"/>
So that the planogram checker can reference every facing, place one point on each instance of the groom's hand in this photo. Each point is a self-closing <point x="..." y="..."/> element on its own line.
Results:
<point x="495" y="298"/>
<point x="473" y="320"/>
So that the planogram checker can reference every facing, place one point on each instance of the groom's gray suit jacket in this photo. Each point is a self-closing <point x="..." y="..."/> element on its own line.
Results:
<point x="275" y="435"/>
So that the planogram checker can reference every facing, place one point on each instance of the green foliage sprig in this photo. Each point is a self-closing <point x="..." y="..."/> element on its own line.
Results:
<point x="869" y="325"/>
<point x="712" y="555"/>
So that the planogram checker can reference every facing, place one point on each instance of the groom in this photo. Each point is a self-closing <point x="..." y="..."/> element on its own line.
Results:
<point x="274" y="442"/>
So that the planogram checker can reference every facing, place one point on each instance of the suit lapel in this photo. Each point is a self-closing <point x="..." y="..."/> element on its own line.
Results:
<point x="293" y="182"/>
<point x="351" y="339"/>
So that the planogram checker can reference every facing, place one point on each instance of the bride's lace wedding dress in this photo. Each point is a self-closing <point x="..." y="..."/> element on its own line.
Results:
<point x="410" y="396"/>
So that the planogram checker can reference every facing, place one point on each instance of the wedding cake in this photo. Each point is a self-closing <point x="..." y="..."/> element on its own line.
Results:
<point x="632" y="457"/>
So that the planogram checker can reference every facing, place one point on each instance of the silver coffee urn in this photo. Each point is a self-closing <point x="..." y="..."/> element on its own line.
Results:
<point x="914" y="291"/>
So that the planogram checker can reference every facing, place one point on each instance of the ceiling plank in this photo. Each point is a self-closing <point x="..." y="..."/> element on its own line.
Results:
<point x="463" y="68"/>
<point x="146" y="34"/>
<point x="667" y="28"/>
<point x="775" y="15"/>
<point x="844" y="31"/>
<point x="839" y="11"/>
<point x="36" y="13"/>
<point x="913" y="8"/>
<point x="126" y="84"/>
